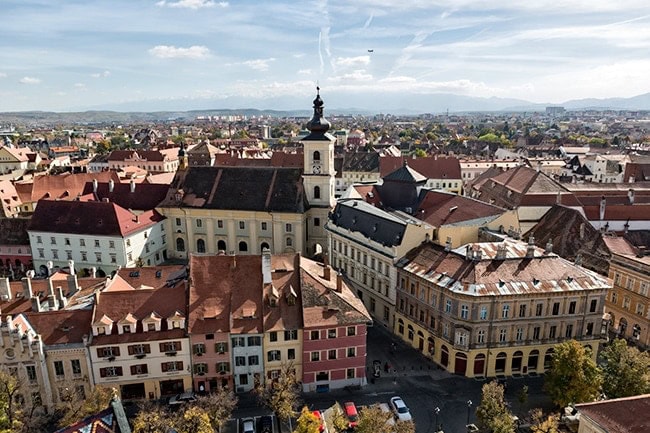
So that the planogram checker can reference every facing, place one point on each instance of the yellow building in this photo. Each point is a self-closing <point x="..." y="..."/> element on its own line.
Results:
<point x="496" y="308"/>
<point x="628" y="304"/>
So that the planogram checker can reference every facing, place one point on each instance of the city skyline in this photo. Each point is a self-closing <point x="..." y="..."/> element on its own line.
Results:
<point x="75" y="55"/>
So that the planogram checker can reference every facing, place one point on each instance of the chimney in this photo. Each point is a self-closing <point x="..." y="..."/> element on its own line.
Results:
<point x="111" y="185"/>
<point x="27" y="288"/>
<point x="603" y="204"/>
<point x="36" y="304"/>
<point x="266" y="266"/>
<point x="5" y="289"/>
<point x="132" y="185"/>
<point x="530" y="249"/>
<point x="50" y="267"/>
<point x="73" y="287"/>
<point x="539" y="166"/>
<point x="50" y="287"/>
<point x="339" y="282"/>
<point x="71" y="266"/>
<point x="60" y="297"/>
<point x="93" y="272"/>
<point x="448" y="244"/>
<point x="549" y="247"/>
<point x="630" y="195"/>
<point x="468" y="252"/>
<point x="578" y="259"/>
<point x="95" y="184"/>
<point x="501" y="251"/>
<point x="327" y="271"/>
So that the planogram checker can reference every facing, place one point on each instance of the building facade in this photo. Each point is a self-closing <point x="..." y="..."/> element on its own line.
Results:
<point x="496" y="308"/>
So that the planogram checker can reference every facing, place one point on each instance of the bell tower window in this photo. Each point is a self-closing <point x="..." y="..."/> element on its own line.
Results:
<point x="317" y="192"/>
<point x="316" y="156"/>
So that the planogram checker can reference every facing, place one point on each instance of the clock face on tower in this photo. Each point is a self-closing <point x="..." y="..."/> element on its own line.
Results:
<point x="316" y="168"/>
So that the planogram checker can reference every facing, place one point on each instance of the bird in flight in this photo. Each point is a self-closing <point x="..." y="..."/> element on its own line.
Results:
<point x="371" y="51"/>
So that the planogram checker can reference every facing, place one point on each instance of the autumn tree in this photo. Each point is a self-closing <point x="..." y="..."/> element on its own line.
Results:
<point x="10" y="413"/>
<point x="493" y="415"/>
<point x="193" y="420"/>
<point x="151" y="418"/>
<point x="373" y="420"/>
<point x="307" y="422"/>
<point x="74" y="406"/>
<point x="544" y="423"/>
<point x="218" y="405"/>
<point x="574" y="376"/>
<point x="404" y="427"/>
<point x="282" y="395"/>
<point x="626" y="372"/>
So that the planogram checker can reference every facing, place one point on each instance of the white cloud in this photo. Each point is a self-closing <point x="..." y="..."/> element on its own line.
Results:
<point x="30" y="80"/>
<point x="3" y="75"/>
<point x="101" y="74"/>
<point x="171" y="52"/>
<point x="358" y="75"/>
<point x="305" y="71"/>
<point x="192" y="4"/>
<point x="352" y="61"/>
<point x="259" y="64"/>
<point x="80" y="86"/>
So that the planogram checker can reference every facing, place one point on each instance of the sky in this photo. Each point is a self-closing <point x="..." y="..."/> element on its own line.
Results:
<point x="63" y="55"/>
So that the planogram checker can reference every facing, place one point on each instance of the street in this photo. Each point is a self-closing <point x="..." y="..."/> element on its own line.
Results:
<point x="422" y="386"/>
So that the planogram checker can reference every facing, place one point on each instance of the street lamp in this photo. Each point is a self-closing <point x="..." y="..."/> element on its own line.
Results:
<point x="436" y="411"/>
<point x="469" y="408"/>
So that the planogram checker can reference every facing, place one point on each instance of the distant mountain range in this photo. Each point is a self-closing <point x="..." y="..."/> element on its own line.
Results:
<point x="362" y="104"/>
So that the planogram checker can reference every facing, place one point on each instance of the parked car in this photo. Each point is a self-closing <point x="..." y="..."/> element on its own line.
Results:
<point x="266" y="424"/>
<point x="352" y="414"/>
<point x="247" y="425"/>
<point x="384" y="408"/>
<point x="178" y="399"/>
<point x="401" y="410"/>
<point x="322" y="428"/>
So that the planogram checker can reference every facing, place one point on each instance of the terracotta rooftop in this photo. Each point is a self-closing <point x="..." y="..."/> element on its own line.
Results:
<point x="441" y="208"/>
<point x="141" y="196"/>
<point x="433" y="167"/>
<point x="61" y="327"/>
<point x="90" y="218"/>
<point x="620" y="415"/>
<point x="66" y="186"/>
<point x="152" y="276"/>
<point x="473" y="269"/>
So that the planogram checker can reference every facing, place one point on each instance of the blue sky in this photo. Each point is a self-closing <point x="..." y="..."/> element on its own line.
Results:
<point x="69" y="54"/>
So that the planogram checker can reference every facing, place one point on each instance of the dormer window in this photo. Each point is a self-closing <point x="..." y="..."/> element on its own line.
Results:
<point x="151" y="326"/>
<point x="101" y="330"/>
<point x="291" y="296"/>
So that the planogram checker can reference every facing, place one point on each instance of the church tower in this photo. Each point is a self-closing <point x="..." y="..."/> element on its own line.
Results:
<point x="318" y="177"/>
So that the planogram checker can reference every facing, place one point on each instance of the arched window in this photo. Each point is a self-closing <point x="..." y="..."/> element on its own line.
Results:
<point x="200" y="246"/>
<point x="180" y="244"/>
<point x="243" y="247"/>
<point x="265" y="246"/>
<point x="316" y="155"/>
<point x="317" y="192"/>
<point x="221" y="245"/>
<point x="289" y="242"/>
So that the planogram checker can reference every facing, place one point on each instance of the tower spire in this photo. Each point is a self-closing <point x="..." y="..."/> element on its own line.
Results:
<point x="318" y="125"/>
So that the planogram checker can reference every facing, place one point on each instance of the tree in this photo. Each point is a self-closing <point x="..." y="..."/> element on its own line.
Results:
<point x="574" y="376"/>
<point x="194" y="420"/>
<point x="544" y="424"/>
<point x="420" y="153"/>
<point x="282" y="395"/>
<point x="404" y="427"/>
<point x="151" y="418"/>
<point x="219" y="406"/>
<point x="74" y="406"/>
<point x="522" y="395"/>
<point x="307" y="422"/>
<point x="9" y="409"/>
<point x="373" y="420"/>
<point x="493" y="414"/>
<point x="627" y="371"/>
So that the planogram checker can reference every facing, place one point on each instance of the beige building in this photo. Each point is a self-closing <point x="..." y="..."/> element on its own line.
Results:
<point x="496" y="308"/>
<point x="628" y="304"/>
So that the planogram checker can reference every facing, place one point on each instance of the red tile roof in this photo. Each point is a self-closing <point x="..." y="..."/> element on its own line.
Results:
<point x="91" y="218"/>
<point x="65" y="186"/>
<point x="61" y="327"/>
<point x="431" y="167"/>
<point x="621" y="415"/>
<point x="141" y="196"/>
<point x="440" y="208"/>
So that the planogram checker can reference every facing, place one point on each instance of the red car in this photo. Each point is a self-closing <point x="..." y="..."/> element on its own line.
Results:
<point x="352" y="414"/>
<point x="321" y="427"/>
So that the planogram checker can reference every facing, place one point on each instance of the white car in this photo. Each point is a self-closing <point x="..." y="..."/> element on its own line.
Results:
<point x="186" y="397"/>
<point x="401" y="410"/>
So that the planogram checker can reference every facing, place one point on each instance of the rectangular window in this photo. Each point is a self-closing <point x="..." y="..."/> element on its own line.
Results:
<point x="291" y="335"/>
<point x="314" y="335"/>
<point x="199" y="223"/>
<point x="240" y="361"/>
<point x="139" y="369"/>
<point x="464" y="311"/>
<point x="640" y="309"/>
<point x="96" y="243"/>
<point x="630" y="283"/>
<point x="178" y="221"/>
<point x="221" y="347"/>
<point x="643" y="288"/>
<point x="273" y="336"/>
<point x="352" y="352"/>
<point x="58" y="369"/>
<point x="538" y="310"/>
<point x="111" y="244"/>
<point x="273" y="355"/>
<point x="219" y="224"/>
<point x="315" y="356"/>
<point x="82" y="242"/>
<point x="110" y="372"/>
<point x="254" y="341"/>
<point x="41" y="253"/>
<point x="519" y="335"/>
<point x="52" y="240"/>
<point x="593" y="305"/>
<point x="253" y="360"/>
<point x="556" y="308"/>
<point x="536" y="332"/>
<point x="349" y="373"/>
<point x="238" y="342"/>
<point x="590" y="328"/>
<point x="626" y="302"/>
<point x="287" y="228"/>
<point x="505" y="311"/>
<point x="572" y="307"/>
<point x="480" y="336"/>
<point x="291" y="354"/>
<point x="66" y="241"/>
<point x="551" y="331"/>
<point x="55" y="254"/>
<point x="198" y="348"/>
<point x="223" y="367"/>
<point x="522" y="310"/>
<point x="503" y="334"/>
<point x="617" y="278"/>
<point x="569" y="331"/>
<point x="331" y="333"/>
<point x="448" y="306"/>
<point x="31" y="372"/>
<point x="139" y="349"/>
<point x="483" y="314"/>
<point x="39" y="240"/>
<point x="331" y="354"/>
<point x="113" y="258"/>
<point x="98" y="257"/>
<point x="172" y="366"/>
<point x="107" y="352"/>
<point x="242" y="225"/>
<point x="170" y="346"/>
